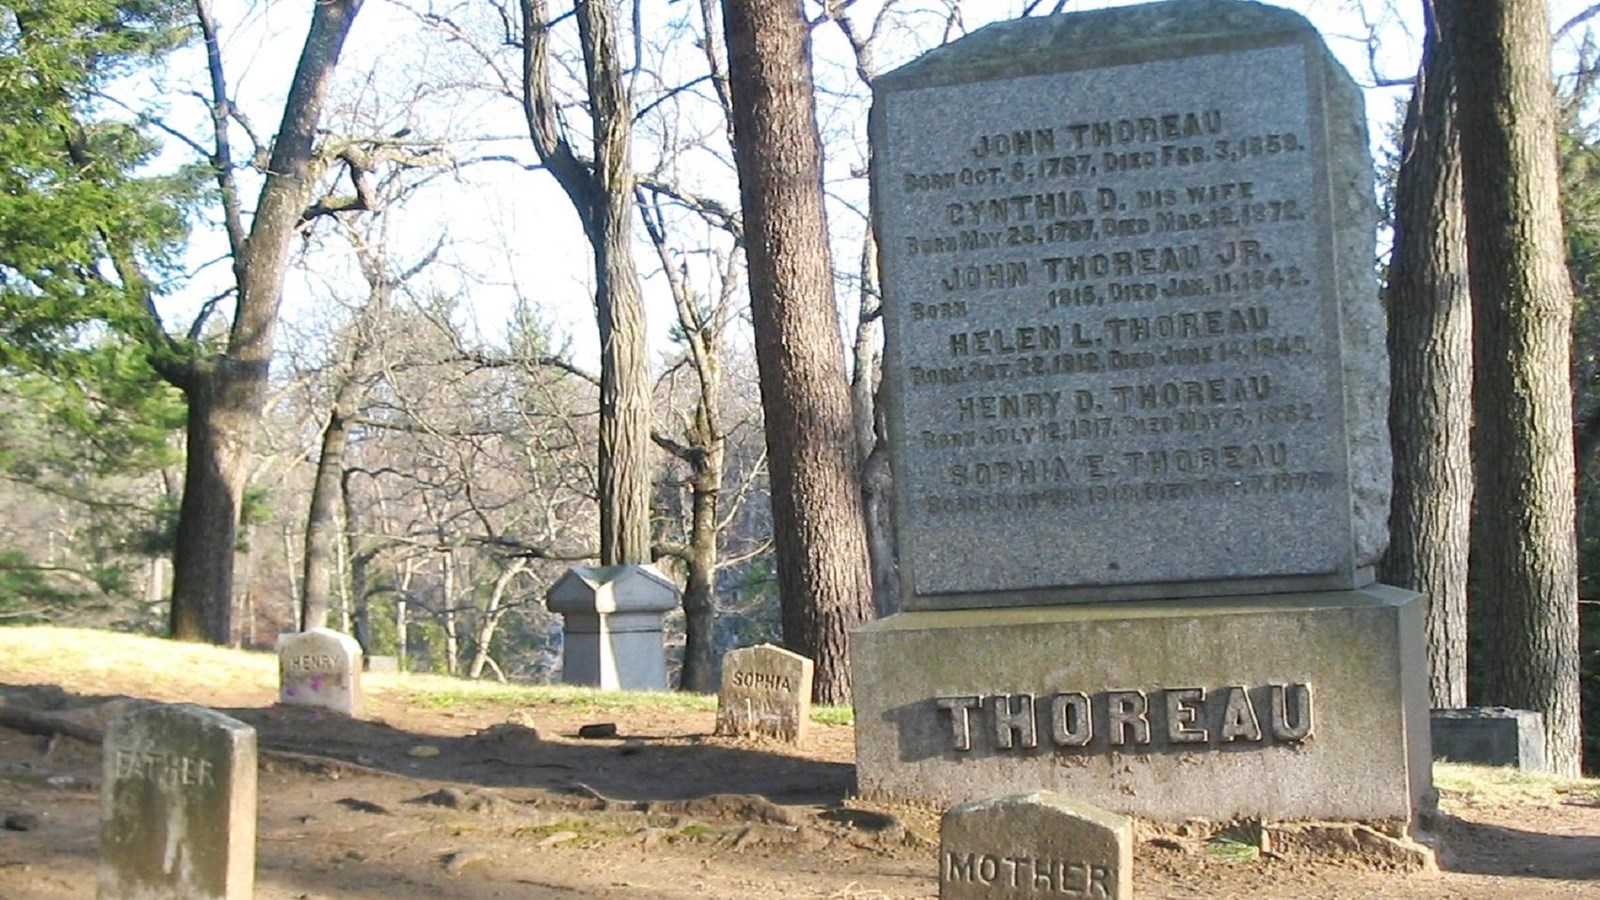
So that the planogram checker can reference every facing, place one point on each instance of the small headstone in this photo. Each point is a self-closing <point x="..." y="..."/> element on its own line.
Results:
<point x="1031" y="845"/>
<point x="322" y="668"/>
<point x="1490" y="736"/>
<point x="766" y="690"/>
<point x="178" y="805"/>
<point x="383" y="663"/>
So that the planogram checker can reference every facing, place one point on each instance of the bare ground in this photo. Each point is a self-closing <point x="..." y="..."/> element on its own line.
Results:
<point x="515" y="804"/>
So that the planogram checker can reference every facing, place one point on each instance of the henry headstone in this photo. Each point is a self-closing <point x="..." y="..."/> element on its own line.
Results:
<point x="1137" y="400"/>
<point x="178" y="806"/>
<point x="320" y="667"/>
<point x="766" y="690"/>
<point x="1034" y="845"/>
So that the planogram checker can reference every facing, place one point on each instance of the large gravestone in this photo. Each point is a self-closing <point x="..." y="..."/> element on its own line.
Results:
<point x="320" y="667"/>
<point x="766" y="691"/>
<point x="178" y="806"/>
<point x="1137" y="403"/>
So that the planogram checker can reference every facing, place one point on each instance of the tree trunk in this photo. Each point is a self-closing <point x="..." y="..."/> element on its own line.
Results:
<point x="700" y="587"/>
<point x="1522" y="315"/>
<point x="226" y="394"/>
<point x="603" y="198"/>
<point x="493" y="612"/>
<point x="221" y="414"/>
<point x="1430" y="364"/>
<point x="824" y="579"/>
<point x="322" y="517"/>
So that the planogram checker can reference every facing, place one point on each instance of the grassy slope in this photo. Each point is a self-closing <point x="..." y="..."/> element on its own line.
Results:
<point x="101" y="662"/>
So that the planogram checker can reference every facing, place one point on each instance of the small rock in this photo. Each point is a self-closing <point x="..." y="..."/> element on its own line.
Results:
<point x="598" y="730"/>
<point x="22" y="821"/>
<point x="631" y="746"/>
<point x="460" y="859"/>
<point x="423" y="751"/>
<point x="359" y="805"/>
<point x="559" y="837"/>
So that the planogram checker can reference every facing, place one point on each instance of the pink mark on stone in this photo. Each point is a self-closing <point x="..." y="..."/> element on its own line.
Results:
<point x="288" y="692"/>
<point x="316" y="682"/>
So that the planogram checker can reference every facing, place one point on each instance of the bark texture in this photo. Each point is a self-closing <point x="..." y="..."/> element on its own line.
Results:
<point x="1430" y="365"/>
<point x="603" y="197"/>
<point x="225" y="393"/>
<point x="1522" y="316"/>
<point x="824" y="579"/>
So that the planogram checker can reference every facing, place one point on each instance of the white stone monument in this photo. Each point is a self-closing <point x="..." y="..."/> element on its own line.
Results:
<point x="612" y="623"/>
<point x="322" y="668"/>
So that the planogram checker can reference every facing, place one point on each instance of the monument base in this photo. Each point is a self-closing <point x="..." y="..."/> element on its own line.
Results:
<point x="1283" y="707"/>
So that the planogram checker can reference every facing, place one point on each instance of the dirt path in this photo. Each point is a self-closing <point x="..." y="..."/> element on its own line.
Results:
<point x="525" y="808"/>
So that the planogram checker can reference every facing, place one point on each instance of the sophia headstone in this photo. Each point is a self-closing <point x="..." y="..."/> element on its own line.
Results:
<point x="766" y="691"/>
<point x="178" y="806"/>
<point x="1137" y="406"/>
<point x="321" y="668"/>
<point x="1034" y="845"/>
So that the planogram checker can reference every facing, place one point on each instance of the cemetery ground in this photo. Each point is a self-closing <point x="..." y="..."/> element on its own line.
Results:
<point x="451" y="789"/>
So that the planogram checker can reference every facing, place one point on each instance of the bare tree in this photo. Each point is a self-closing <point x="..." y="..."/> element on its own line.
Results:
<point x="824" y="579"/>
<point x="1522" y="317"/>
<point x="225" y="390"/>
<point x="1430" y="359"/>
<point x="602" y="194"/>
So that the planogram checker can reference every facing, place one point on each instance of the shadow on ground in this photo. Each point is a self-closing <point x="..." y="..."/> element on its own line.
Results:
<point x="1479" y="848"/>
<point x="620" y="767"/>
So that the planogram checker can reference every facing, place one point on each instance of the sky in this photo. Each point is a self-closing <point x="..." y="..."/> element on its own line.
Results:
<point x="508" y="233"/>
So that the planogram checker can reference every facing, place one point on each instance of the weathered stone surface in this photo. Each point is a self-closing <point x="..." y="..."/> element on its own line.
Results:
<point x="178" y="806"/>
<point x="1134" y="346"/>
<point x="611" y="626"/>
<point x="1307" y="706"/>
<point x="321" y="668"/>
<point x="1490" y="736"/>
<point x="766" y="690"/>
<point x="1032" y="845"/>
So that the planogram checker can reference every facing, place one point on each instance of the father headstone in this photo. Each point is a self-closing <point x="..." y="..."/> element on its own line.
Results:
<point x="1137" y="403"/>
<point x="611" y="626"/>
<point x="766" y="690"/>
<point x="322" y="668"/>
<point x="1034" y="845"/>
<point x="178" y="805"/>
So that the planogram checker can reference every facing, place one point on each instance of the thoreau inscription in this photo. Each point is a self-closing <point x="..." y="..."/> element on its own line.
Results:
<point x="1188" y="717"/>
<point x="1112" y="306"/>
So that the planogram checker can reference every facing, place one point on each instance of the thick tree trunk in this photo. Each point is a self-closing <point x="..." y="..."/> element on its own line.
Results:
<point x="222" y="409"/>
<point x="603" y="198"/>
<point x="823" y="574"/>
<point x="1430" y="363"/>
<point x="1522" y="315"/>
<point x="230" y="389"/>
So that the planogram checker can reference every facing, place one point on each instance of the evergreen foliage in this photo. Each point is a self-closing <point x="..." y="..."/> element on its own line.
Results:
<point x="88" y="238"/>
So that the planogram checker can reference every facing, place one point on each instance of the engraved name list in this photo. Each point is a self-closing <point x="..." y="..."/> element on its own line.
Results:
<point x="1118" y="309"/>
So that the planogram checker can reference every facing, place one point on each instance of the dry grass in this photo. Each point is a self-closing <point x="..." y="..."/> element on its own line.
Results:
<point x="84" y="661"/>
<point x="89" y="662"/>
<point x="1487" y="786"/>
